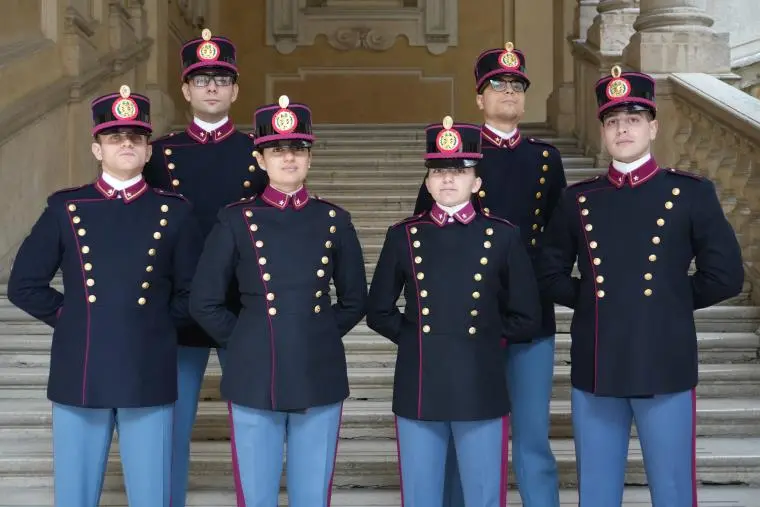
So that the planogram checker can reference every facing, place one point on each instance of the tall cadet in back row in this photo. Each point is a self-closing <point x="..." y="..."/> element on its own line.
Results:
<point x="468" y="283"/>
<point x="127" y="254"/>
<point x="633" y="233"/>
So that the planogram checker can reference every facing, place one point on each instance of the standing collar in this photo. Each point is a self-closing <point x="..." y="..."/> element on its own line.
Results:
<point x="127" y="195"/>
<point x="635" y="177"/>
<point x="221" y="133"/>
<point x="463" y="216"/>
<point x="280" y="200"/>
<point x="491" y="136"/>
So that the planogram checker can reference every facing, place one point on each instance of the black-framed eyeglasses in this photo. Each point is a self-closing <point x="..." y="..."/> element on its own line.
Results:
<point x="203" y="80"/>
<point x="499" y="85"/>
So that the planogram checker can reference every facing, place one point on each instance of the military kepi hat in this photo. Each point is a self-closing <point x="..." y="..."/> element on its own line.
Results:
<point x="631" y="91"/>
<point x="283" y="124"/>
<point x="121" y="110"/>
<point x="450" y="144"/>
<point x="500" y="62"/>
<point x="208" y="52"/>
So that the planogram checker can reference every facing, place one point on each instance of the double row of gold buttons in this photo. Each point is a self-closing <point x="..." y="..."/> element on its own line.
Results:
<point x="175" y="181"/>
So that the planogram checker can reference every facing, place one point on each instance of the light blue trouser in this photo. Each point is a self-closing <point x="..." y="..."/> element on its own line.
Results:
<point x="666" y="429"/>
<point x="258" y="437"/>
<point x="482" y="447"/>
<point x="82" y="439"/>
<point x="530" y="370"/>
<point x="191" y="366"/>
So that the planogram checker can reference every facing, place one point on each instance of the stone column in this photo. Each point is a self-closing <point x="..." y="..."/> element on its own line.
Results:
<point x="612" y="27"/>
<point x="677" y="36"/>
<point x="584" y="16"/>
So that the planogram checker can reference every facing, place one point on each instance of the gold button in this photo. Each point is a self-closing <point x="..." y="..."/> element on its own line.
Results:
<point x="416" y="244"/>
<point x="156" y="235"/>
<point x="325" y="260"/>
<point x="652" y="258"/>
<point x="597" y="261"/>
<point x="648" y="292"/>
<point x="320" y="273"/>
<point x="85" y="249"/>
<point x="266" y="277"/>
<point x="72" y="207"/>
<point x="482" y="193"/>
<point x="600" y="293"/>
<point x="90" y="282"/>
<point x="259" y="244"/>
<point x="545" y="168"/>
<point x="76" y="220"/>
<point x="163" y="222"/>
<point x="146" y="285"/>
<point x="472" y="330"/>
<point x="273" y="311"/>
<point x="152" y="252"/>
<point x="87" y="266"/>
<point x="270" y="296"/>
<point x="251" y="168"/>
<point x="262" y="261"/>
<point x="425" y="328"/>
<point x="333" y="228"/>
<point x="328" y="244"/>
<point x="167" y="151"/>
<point x="582" y="199"/>
<point x="420" y="276"/>
<point x="175" y="182"/>
<point x="254" y="227"/>
<point x="317" y="309"/>
<point x="600" y="279"/>
<point x="647" y="276"/>
<point x="254" y="153"/>
<point x="538" y="195"/>
<point x="249" y="213"/>
<point x="149" y="268"/>
<point x="141" y="301"/>
<point x="417" y="259"/>
<point x="668" y="205"/>
<point x="486" y="244"/>
<point x="489" y="232"/>
<point x="584" y="212"/>
<point x="676" y="191"/>
<point x="164" y="208"/>
<point x="589" y="227"/>
<point x="593" y="244"/>
<point x="474" y="313"/>
<point x="332" y="213"/>
<point x="533" y="242"/>
<point x="537" y="212"/>
<point x="483" y="261"/>
<point x="81" y="232"/>
<point x="660" y="222"/>
<point x="545" y="154"/>
<point x="656" y="240"/>
<point x="413" y="230"/>
<point x="476" y="295"/>
<point x="478" y="277"/>
<point x="92" y="298"/>
<point x="247" y="184"/>
<point x="535" y="227"/>
<point x="426" y="311"/>
<point x="171" y="166"/>
<point x="423" y="293"/>
<point x="318" y="294"/>
<point x="486" y="210"/>
<point x="542" y="180"/>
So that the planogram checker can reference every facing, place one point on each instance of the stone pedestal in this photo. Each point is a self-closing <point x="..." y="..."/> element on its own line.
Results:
<point x="612" y="27"/>
<point x="677" y="36"/>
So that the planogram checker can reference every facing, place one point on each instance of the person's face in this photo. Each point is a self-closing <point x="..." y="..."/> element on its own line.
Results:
<point x="452" y="186"/>
<point x="503" y="99"/>
<point x="210" y="94"/>
<point x="627" y="135"/>
<point x="286" y="166"/>
<point x="122" y="153"/>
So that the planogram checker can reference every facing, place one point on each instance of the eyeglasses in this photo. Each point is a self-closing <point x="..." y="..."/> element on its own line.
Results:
<point x="498" y="85"/>
<point x="203" y="80"/>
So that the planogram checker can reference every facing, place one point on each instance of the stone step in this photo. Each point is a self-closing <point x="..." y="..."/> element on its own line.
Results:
<point x="389" y="143"/>
<point x="27" y="344"/>
<point x="373" y="463"/>
<point x="410" y="176"/>
<point x="15" y="492"/>
<point x="371" y="420"/>
<point x="403" y="152"/>
<point x="359" y="159"/>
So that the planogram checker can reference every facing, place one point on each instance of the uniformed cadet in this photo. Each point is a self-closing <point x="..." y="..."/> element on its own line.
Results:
<point x="212" y="164"/>
<point x="522" y="178"/>
<point x="633" y="233"/>
<point x="286" y="375"/>
<point x="468" y="283"/>
<point x="127" y="254"/>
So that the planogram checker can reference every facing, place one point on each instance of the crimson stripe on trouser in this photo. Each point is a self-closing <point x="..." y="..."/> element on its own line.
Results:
<point x="694" y="448"/>
<point x="398" y="453"/>
<point x="504" y="485"/>
<point x="235" y="463"/>
<point x="335" y="457"/>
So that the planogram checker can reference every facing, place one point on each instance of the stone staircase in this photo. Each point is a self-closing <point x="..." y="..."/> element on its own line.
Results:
<point x="375" y="172"/>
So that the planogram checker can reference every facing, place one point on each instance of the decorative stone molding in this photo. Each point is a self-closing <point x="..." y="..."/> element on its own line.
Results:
<point x="612" y="27"/>
<point x="585" y="14"/>
<point x="357" y="24"/>
<point x="195" y="12"/>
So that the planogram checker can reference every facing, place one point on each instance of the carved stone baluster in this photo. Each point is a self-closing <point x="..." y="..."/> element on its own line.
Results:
<point x="751" y="196"/>
<point x="682" y="135"/>
<point x="724" y="170"/>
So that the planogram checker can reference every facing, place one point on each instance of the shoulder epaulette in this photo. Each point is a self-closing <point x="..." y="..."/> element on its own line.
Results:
<point x="499" y="219"/>
<point x="69" y="189"/>
<point x="535" y="140"/>
<point x="320" y="199"/>
<point x="243" y="200"/>
<point x="409" y="219"/>
<point x="166" y="193"/>
<point x="583" y="182"/>
<point x="685" y="173"/>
